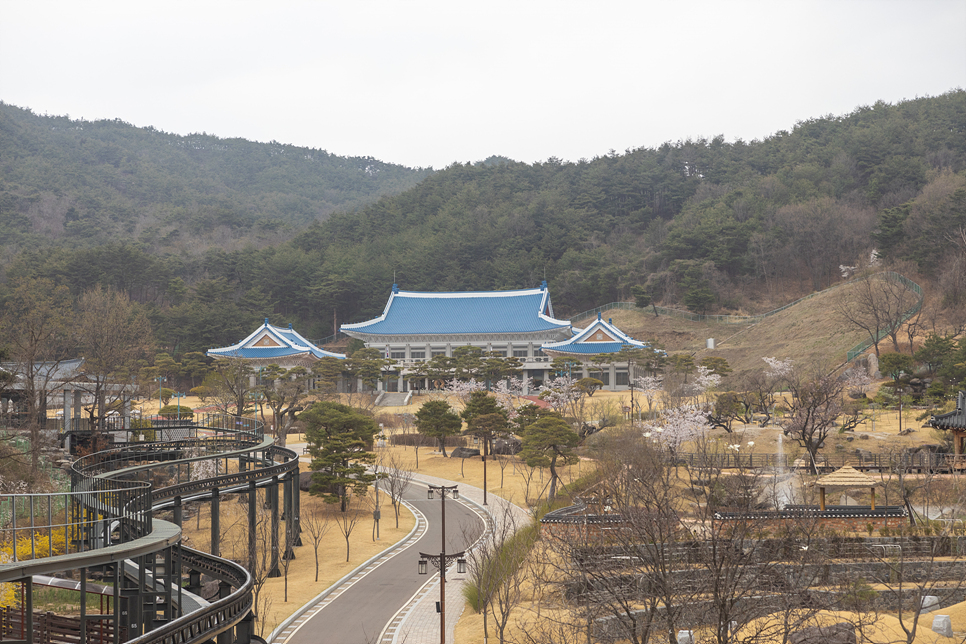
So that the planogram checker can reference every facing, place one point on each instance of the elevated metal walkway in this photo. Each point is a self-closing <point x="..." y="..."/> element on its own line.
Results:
<point x="108" y="529"/>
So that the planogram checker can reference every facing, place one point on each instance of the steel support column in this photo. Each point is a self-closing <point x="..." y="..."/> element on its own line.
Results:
<point x="252" y="500"/>
<point x="117" y="601"/>
<point x="289" y="512"/>
<point x="224" y="637"/>
<point x="298" y="507"/>
<point x="273" y="570"/>
<point x="215" y="522"/>
<point x="83" y="606"/>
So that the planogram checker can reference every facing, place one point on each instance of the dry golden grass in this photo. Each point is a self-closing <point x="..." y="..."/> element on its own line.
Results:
<point x="509" y="482"/>
<point x="808" y="332"/>
<point x="876" y="629"/>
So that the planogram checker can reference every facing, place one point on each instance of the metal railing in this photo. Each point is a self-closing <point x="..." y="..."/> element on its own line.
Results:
<point x="860" y="348"/>
<point x="103" y="510"/>
<point x="83" y="518"/>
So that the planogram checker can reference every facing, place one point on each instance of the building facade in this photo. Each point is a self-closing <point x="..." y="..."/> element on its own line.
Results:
<point x="270" y="344"/>
<point x="598" y="338"/>
<point x="416" y="326"/>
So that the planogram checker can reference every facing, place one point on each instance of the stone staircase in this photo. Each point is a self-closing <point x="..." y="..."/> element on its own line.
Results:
<point x="393" y="399"/>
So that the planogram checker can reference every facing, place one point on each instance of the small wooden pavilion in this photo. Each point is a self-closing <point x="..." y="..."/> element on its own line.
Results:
<point x="954" y="421"/>
<point x="845" y="477"/>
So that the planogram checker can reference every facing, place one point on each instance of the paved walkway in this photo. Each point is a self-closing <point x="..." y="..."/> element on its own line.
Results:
<point x="417" y="621"/>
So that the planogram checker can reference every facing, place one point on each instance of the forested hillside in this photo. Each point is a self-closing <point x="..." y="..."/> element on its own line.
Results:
<point x="84" y="183"/>
<point x="706" y="224"/>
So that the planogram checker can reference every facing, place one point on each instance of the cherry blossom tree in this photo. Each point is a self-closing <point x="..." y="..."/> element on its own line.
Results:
<point x="565" y="397"/>
<point x="203" y="469"/>
<point x="702" y="380"/>
<point x="508" y="390"/>
<point x="649" y="386"/>
<point x="462" y="389"/>
<point x="676" y="426"/>
<point x="761" y="385"/>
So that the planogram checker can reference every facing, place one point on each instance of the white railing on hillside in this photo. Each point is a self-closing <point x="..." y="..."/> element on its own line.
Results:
<point x="751" y="319"/>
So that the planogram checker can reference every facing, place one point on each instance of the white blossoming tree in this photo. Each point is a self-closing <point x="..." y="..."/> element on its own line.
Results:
<point x="676" y="426"/>
<point x="649" y="387"/>
<point x="508" y="390"/>
<point x="565" y="397"/>
<point x="461" y="390"/>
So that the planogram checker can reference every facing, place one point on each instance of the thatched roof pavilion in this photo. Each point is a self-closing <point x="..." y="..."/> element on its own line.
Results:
<point x="845" y="477"/>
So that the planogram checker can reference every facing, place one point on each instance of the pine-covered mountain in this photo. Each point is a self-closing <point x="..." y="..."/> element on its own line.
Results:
<point x="704" y="224"/>
<point x="85" y="183"/>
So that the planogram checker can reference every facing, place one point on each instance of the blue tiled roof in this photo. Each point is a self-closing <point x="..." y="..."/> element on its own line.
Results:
<point x="418" y="313"/>
<point x="289" y="341"/>
<point x="579" y="344"/>
<point x="588" y="348"/>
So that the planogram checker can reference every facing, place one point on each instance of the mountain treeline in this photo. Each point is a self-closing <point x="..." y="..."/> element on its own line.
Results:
<point x="707" y="224"/>
<point x="85" y="183"/>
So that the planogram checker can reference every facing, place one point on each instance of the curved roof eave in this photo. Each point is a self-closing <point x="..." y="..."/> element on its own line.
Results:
<point x="433" y="314"/>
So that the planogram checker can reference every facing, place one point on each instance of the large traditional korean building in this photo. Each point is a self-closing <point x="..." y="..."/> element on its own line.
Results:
<point x="600" y="337"/>
<point x="270" y="344"/>
<point x="416" y="326"/>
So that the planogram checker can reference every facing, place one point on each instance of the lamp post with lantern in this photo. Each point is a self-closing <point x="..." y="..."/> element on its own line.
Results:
<point x="440" y="560"/>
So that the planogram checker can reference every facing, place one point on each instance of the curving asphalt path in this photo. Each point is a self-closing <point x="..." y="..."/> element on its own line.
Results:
<point x="359" y="614"/>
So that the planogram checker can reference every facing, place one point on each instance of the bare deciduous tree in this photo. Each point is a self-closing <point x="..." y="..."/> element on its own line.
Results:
<point x="398" y="477"/>
<point x="230" y="384"/>
<point x="497" y="570"/>
<point x="316" y="524"/>
<point x="877" y="305"/>
<point x="348" y="518"/>
<point x="284" y="391"/>
<point x="113" y="333"/>
<point x="34" y="328"/>
<point x="817" y="404"/>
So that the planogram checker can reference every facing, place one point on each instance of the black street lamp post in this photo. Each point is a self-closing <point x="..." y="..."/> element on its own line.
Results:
<point x="439" y="561"/>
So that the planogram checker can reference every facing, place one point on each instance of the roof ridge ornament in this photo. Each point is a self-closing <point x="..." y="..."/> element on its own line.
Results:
<point x="395" y="288"/>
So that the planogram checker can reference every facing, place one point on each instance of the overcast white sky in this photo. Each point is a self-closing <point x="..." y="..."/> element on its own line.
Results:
<point x="429" y="83"/>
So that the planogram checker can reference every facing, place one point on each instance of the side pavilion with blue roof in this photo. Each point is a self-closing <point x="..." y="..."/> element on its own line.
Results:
<point x="598" y="338"/>
<point x="416" y="326"/>
<point x="275" y="345"/>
